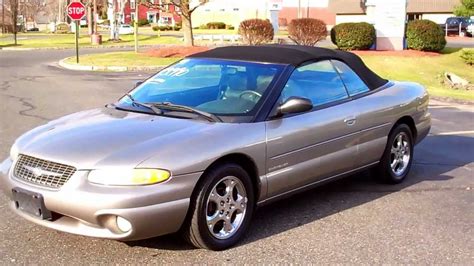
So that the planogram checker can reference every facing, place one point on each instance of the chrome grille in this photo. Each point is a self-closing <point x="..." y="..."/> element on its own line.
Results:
<point x="42" y="172"/>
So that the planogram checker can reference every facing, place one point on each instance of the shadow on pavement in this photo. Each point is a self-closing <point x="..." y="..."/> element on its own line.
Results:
<point x="432" y="163"/>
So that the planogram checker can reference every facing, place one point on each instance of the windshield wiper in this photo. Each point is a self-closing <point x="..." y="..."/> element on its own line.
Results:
<point x="182" y="108"/>
<point x="149" y="107"/>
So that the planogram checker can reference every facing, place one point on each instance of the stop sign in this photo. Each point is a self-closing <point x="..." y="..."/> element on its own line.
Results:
<point x="76" y="10"/>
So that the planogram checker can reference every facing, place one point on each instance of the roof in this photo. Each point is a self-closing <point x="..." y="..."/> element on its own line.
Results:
<point x="293" y="55"/>
<point x="414" y="6"/>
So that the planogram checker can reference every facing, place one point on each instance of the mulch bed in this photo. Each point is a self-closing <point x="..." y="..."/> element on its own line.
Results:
<point x="404" y="53"/>
<point x="175" y="51"/>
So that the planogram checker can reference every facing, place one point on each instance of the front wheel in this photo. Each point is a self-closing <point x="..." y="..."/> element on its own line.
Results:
<point x="221" y="210"/>
<point x="398" y="155"/>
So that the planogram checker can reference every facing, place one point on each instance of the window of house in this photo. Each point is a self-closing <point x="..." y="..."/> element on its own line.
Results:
<point x="132" y="4"/>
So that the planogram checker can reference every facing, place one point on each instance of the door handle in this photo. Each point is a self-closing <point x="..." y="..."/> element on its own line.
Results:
<point x="350" y="121"/>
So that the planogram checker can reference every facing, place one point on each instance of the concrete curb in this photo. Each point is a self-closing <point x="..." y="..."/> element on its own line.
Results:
<point x="74" y="67"/>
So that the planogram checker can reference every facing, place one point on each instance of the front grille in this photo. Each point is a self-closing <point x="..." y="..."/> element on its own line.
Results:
<point x="42" y="172"/>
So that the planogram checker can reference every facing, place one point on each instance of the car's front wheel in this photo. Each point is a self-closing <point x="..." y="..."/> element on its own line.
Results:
<point x="221" y="210"/>
<point x="398" y="156"/>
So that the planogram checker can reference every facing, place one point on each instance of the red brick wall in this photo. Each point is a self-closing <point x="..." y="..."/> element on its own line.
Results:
<point x="323" y="14"/>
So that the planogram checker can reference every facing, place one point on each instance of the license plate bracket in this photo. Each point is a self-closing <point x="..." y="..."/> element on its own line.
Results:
<point x="31" y="203"/>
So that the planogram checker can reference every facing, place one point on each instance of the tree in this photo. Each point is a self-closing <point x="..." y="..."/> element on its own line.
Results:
<point x="186" y="9"/>
<point x="34" y="7"/>
<point x="14" y="17"/>
<point x="466" y="9"/>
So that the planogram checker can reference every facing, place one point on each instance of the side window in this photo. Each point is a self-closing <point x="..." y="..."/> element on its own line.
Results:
<point x="352" y="81"/>
<point x="318" y="82"/>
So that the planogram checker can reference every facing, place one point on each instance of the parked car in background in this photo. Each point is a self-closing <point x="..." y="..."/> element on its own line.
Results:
<point x="198" y="146"/>
<point x="125" y="29"/>
<point x="457" y="26"/>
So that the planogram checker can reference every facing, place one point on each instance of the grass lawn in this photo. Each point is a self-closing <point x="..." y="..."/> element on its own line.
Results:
<point x="130" y="59"/>
<point x="67" y="40"/>
<point x="425" y="70"/>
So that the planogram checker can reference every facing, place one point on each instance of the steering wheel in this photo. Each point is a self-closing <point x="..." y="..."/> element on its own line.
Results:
<point x="252" y="95"/>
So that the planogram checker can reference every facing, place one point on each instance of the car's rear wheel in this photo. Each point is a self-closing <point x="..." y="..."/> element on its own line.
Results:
<point x="398" y="156"/>
<point x="221" y="210"/>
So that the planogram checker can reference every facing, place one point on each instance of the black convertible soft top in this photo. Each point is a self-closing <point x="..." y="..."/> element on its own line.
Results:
<point x="294" y="55"/>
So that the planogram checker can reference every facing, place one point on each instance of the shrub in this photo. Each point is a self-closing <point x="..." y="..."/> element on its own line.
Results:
<point x="353" y="36"/>
<point x="229" y="27"/>
<point x="256" y="31"/>
<point x="307" y="31"/>
<point x="425" y="35"/>
<point x="166" y="28"/>
<point x="203" y="27"/>
<point x="215" y="25"/>
<point x="468" y="56"/>
<point x="143" y="22"/>
<point x="62" y="28"/>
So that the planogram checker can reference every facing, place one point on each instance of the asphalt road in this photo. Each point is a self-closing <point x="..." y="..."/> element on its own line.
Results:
<point x="429" y="219"/>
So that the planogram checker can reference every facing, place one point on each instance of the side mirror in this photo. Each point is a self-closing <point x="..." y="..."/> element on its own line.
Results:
<point x="295" y="105"/>
<point x="138" y="83"/>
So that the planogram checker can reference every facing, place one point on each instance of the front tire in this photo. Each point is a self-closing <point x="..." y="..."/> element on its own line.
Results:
<point x="222" y="208"/>
<point x="398" y="156"/>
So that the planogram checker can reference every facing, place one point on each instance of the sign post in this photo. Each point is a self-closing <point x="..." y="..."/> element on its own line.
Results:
<point x="76" y="11"/>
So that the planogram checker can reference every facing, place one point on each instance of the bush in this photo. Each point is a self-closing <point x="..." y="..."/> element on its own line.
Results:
<point x="229" y="27"/>
<point x="203" y="27"/>
<point x="353" y="36"/>
<point x="256" y="31"/>
<point x="307" y="31"/>
<point x="215" y="25"/>
<point x="425" y="35"/>
<point x="166" y="28"/>
<point x="143" y="22"/>
<point x="62" y="28"/>
<point x="468" y="56"/>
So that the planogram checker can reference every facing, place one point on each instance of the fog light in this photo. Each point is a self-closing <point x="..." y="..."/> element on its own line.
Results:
<point x="123" y="224"/>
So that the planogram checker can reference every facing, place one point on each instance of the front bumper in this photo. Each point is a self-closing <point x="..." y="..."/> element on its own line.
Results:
<point x="87" y="209"/>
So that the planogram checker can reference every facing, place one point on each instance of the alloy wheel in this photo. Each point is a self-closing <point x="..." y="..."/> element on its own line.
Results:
<point x="400" y="154"/>
<point x="226" y="207"/>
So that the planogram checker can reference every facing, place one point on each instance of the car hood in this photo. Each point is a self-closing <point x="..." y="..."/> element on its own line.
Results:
<point x="106" y="137"/>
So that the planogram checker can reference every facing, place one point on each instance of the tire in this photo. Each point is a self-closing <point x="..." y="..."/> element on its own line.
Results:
<point x="395" y="165"/>
<point x="208" y="223"/>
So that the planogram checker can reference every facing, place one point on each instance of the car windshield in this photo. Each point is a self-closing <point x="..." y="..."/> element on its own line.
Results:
<point x="219" y="87"/>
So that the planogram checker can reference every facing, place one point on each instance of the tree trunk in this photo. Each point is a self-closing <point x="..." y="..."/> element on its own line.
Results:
<point x="14" y="37"/>
<point x="188" y="30"/>
<point x="89" y="19"/>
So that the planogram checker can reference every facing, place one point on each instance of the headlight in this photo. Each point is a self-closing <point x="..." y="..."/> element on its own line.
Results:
<point x="128" y="177"/>
<point x="14" y="152"/>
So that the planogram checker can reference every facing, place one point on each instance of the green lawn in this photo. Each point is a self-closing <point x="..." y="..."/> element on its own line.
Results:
<point x="425" y="70"/>
<point x="130" y="59"/>
<point x="67" y="40"/>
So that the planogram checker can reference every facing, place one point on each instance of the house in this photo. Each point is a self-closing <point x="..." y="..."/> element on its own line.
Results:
<point x="168" y="15"/>
<point x="355" y="10"/>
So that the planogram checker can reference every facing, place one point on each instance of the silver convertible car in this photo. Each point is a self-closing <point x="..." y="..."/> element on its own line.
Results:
<point x="198" y="146"/>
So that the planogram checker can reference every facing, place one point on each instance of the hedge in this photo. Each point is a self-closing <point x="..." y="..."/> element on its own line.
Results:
<point x="425" y="35"/>
<point x="256" y="31"/>
<point x="353" y="36"/>
<point x="307" y="31"/>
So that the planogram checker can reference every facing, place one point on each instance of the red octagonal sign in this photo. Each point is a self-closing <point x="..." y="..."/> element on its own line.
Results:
<point x="76" y="10"/>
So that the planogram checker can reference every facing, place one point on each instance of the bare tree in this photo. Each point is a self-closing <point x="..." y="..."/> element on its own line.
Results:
<point x="186" y="9"/>
<point x="34" y="7"/>
<point x="13" y="8"/>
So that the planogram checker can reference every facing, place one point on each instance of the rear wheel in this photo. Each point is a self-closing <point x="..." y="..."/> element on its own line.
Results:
<point x="221" y="210"/>
<point x="398" y="156"/>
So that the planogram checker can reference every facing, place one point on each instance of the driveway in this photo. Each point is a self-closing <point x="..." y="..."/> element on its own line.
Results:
<point x="427" y="220"/>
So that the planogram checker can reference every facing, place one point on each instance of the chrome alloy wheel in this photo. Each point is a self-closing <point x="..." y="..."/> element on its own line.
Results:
<point x="226" y="207"/>
<point x="400" y="154"/>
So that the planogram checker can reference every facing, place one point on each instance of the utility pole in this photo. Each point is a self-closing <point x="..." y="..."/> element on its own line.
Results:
<point x="299" y="8"/>
<point x="307" y="9"/>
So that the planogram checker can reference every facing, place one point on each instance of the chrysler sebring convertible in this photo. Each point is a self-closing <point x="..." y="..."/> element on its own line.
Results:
<point x="198" y="146"/>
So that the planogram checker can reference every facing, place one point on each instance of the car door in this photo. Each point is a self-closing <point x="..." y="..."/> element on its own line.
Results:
<point x="308" y="147"/>
<point x="373" y="119"/>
